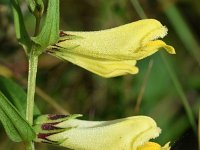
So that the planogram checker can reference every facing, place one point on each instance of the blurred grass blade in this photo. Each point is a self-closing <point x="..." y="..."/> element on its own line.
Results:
<point x="6" y="74"/>
<point x="52" y="102"/>
<point x="173" y="77"/>
<point x="139" y="9"/>
<point x="181" y="93"/>
<point x="143" y="87"/>
<point x="176" y="128"/>
<point x="15" y="125"/>
<point x="5" y="2"/>
<point x="20" y="29"/>
<point x="199" y="129"/>
<point x="16" y="95"/>
<point x="4" y="71"/>
<point x="182" y="29"/>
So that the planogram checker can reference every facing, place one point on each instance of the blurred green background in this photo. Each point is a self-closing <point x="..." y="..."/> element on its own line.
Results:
<point x="165" y="87"/>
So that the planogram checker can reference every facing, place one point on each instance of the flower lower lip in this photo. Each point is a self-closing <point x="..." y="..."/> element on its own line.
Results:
<point x="150" y="134"/>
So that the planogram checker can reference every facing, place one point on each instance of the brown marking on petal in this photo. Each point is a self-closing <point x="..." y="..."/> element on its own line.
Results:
<point x="55" y="117"/>
<point x="44" y="135"/>
<point x="50" y="126"/>
<point x="57" y="46"/>
<point x="62" y="40"/>
<point x="62" y="34"/>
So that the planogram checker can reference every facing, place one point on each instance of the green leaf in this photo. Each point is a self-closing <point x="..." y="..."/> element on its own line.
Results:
<point x="9" y="127"/>
<point x="35" y="6"/>
<point x="50" y="30"/>
<point x="15" y="125"/>
<point x="31" y="5"/>
<point x="20" y="29"/>
<point x="16" y="95"/>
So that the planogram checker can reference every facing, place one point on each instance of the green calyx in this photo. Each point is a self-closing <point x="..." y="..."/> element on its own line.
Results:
<point x="48" y="35"/>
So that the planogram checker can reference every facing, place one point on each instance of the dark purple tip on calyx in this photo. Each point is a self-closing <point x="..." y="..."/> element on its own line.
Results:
<point x="55" y="117"/>
<point x="44" y="135"/>
<point x="50" y="126"/>
<point x="62" y="33"/>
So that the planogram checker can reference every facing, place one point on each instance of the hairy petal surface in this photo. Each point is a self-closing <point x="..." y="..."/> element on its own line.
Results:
<point x="112" y="52"/>
<point x="132" y="133"/>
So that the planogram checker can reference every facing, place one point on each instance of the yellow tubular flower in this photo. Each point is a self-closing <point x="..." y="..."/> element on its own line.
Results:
<point x="112" y="52"/>
<point x="132" y="133"/>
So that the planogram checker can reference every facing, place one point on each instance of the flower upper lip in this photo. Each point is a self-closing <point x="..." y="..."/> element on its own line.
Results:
<point x="145" y="136"/>
<point x="158" y="32"/>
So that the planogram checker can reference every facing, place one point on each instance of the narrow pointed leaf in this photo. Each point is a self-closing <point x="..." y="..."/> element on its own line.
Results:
<point x="16" y="95"/>
<point x="20" y="29"/>
<point x="36" y="6"/>
<point x="9" y="127"/>
<point x="50" y="31"/>
<point x="31" y="5"/>
<point x="18" y="128"/>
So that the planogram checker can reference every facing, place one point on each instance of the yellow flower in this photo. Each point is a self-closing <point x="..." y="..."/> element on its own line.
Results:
<point x="112" y="52"/>
<point x="153" y="146"/>
<point x="132" y="133"/>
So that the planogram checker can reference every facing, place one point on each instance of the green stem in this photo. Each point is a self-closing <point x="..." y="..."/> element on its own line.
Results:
<point x="29" y="146"/>
<point x="33" y="61"/>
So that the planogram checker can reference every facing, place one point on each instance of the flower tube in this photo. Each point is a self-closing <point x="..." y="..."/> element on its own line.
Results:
<point x="112" y="52"/>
